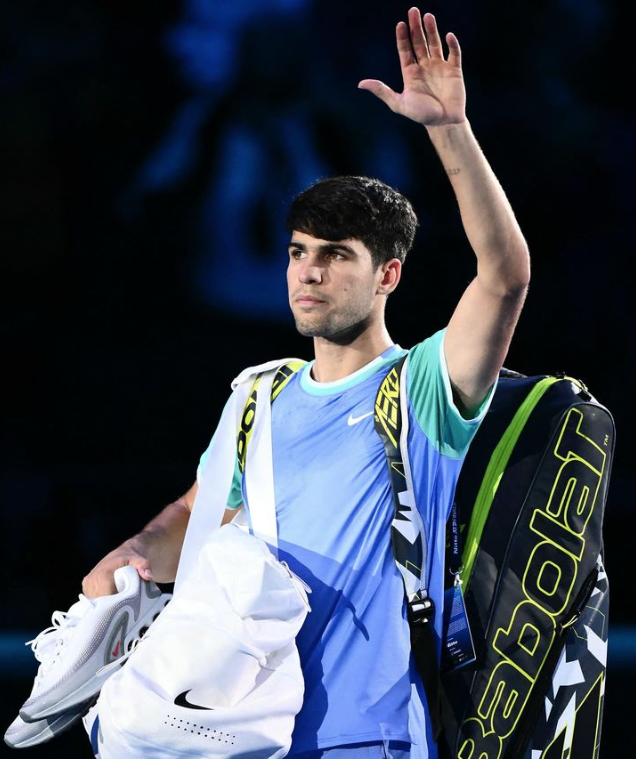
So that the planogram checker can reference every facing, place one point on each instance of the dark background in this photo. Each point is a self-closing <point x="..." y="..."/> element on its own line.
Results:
<point x="148" y="152"/>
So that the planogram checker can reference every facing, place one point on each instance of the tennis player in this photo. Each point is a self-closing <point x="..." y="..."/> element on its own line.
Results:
<point x="349" y="237"/>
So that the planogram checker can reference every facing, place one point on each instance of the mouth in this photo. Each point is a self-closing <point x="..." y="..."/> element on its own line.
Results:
<point x="308" y="300"/>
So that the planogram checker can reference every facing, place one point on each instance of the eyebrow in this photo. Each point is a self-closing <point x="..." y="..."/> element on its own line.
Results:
<point x="329" y="247"/>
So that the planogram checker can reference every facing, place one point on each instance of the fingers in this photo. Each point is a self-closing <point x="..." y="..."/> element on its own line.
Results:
<point x="100" y="580"/>
<point x="98" y="583"/>
<point x="422" y="39"/>
<point x="418" y="40"/>
<point x="403" y="39"/>
<point x="432" y="36"/>
<point x="380" y="90"/>
<point x="454" y="51"/>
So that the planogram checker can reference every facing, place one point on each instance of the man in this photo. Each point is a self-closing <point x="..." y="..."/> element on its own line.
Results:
<point x="333" y="498"/>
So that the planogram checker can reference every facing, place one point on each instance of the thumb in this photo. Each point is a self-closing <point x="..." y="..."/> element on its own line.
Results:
<point x="143" y="567"/>
<point x="380" y="90"/>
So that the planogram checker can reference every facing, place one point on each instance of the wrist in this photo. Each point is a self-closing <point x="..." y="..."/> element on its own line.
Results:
<point x="455" y="144"/>
<point x="443" y="131"/>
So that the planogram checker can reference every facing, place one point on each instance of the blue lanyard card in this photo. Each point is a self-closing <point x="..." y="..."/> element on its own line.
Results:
<point x="458" y="648"/>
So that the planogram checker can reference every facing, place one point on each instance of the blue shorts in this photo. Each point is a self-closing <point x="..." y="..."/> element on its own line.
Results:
<point x="372" y="750"/>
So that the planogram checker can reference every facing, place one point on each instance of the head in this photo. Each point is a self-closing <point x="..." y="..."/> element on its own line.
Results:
<point x="350" y="236"/>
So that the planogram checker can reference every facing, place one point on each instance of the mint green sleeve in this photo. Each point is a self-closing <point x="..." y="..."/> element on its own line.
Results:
<point x="235" y="496"/>
<point x="431" y="397"/>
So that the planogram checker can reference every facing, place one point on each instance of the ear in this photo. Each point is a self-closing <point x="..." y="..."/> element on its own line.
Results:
<point x="390" y="272"/>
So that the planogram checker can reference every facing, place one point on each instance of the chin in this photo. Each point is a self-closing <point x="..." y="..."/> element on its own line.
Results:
<point x="309" y="330"/>
<point x="337" y="334"/>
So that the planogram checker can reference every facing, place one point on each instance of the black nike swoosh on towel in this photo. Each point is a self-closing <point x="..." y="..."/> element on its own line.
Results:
<point x="181" y="700"/>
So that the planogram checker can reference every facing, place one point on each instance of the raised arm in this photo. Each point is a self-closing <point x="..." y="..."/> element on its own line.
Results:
<point x="481" y="328"/>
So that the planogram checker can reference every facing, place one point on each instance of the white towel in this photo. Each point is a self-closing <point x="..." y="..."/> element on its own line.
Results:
<point x="218" y="674"/>
<point x="215" y="477"/>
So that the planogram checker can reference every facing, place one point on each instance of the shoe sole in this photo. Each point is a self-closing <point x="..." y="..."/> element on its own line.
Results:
<point x="30" y="734"/>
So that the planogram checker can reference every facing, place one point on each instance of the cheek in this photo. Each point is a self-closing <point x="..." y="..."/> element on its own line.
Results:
<point x="358" y="290"/>
<point x="355" y="297"/>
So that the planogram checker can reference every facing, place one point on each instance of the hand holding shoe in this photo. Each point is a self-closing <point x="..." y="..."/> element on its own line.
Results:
<point x="99" y="581"/>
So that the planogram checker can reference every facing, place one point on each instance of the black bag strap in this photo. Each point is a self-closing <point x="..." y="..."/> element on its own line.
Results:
<point x="407" y="534"/>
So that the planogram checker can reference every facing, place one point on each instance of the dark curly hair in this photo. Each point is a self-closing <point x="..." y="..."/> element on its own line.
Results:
<point x="350" y="207"/>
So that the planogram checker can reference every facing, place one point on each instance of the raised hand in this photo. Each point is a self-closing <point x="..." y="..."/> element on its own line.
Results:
<point x="434" y="92"/>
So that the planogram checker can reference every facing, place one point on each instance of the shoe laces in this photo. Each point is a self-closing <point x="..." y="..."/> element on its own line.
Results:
<point x="48" y="644"/>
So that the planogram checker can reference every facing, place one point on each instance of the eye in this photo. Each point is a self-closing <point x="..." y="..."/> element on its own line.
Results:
<point x="296" y="253"/>
<point x="335" y="256"/>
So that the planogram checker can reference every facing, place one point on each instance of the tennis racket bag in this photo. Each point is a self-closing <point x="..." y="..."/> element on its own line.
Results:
<point x="530" y="501"/>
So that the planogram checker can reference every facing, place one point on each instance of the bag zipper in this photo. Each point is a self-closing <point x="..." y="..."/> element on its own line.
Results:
<point x="522" y="731"/>
<point x="494" y="472"/>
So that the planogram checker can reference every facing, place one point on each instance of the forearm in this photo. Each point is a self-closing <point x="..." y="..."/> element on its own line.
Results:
<point x="161" y="540"/>
<point x="503" y="262"/>
<point x="154" y="552"/>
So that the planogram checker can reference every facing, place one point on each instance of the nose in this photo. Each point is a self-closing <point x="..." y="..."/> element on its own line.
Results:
<point x="310" y="273"/>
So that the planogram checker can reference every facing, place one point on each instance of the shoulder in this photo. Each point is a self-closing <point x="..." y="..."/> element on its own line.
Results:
<point x="284" y="366"/>
<point x="426" y="357"/>
<point x="432" y="400"/>
<point x="426" y="369"/>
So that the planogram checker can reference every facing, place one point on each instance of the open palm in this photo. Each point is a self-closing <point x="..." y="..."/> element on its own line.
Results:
<point x="434" y="92"/>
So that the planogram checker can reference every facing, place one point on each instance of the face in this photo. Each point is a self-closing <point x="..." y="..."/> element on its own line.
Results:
<point x="334" y="290"/>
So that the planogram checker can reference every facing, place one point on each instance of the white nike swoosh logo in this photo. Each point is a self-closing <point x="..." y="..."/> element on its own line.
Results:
<point x="355" y="419"/>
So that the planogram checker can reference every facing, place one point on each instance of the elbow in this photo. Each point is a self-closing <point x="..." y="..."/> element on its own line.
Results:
<point x="521" y="281"/>
<point x="516" y="269"/>
<point x="508" y="288"/>
<point x="517" y="288"/>
<point x="509" y="278"/>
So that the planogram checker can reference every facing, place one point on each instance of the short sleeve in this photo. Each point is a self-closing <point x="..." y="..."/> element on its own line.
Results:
<point x="431" y="398"/>
<point x="235" y="496"/>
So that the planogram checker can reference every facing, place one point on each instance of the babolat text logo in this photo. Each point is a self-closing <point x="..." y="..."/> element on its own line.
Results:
<point x="386" y="405"/>
<point x="283" y="375"/>
<point x="247" y="424"/>
<point x="546" y="553"/>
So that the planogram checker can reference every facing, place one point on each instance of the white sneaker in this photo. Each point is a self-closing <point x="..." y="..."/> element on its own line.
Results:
<point x="76" y="651"/>
<point x="21" y="734"/>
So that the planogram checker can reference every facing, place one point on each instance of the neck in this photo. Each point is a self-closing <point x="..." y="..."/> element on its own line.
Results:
<point x="335" y="361"/>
